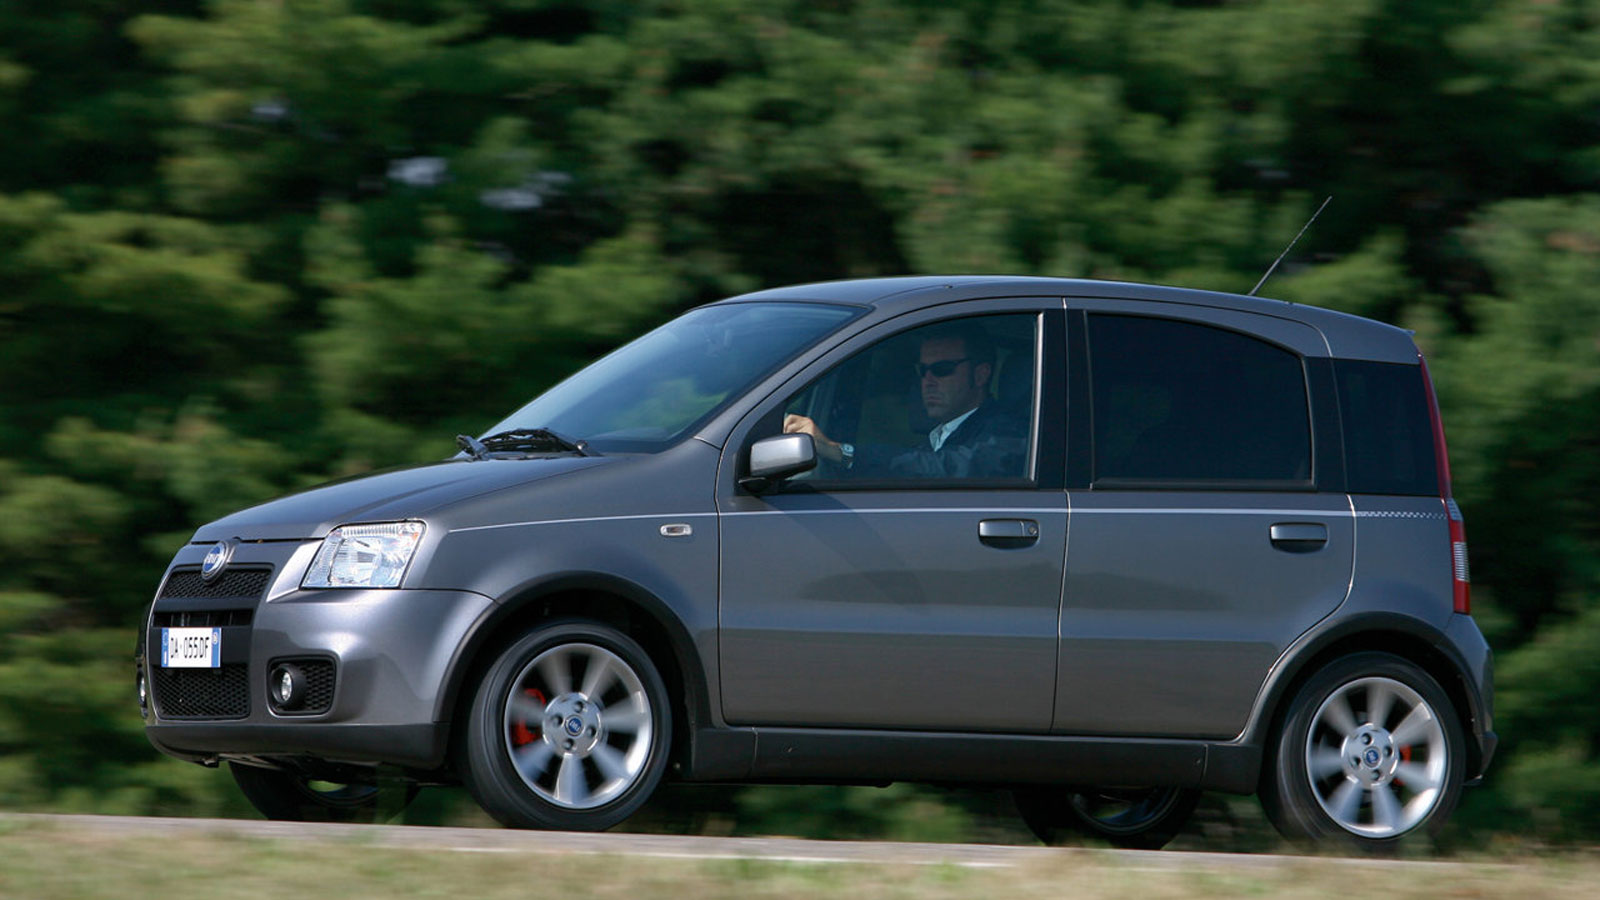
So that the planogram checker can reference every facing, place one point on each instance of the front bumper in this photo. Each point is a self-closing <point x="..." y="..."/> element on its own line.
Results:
<point x="391" y="651"/>
<point x="411" y="746"/>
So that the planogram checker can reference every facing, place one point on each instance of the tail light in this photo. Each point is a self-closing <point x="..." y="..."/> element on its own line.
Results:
<point x="1460" y="572"/>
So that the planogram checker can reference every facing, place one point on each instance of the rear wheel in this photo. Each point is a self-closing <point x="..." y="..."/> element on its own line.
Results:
<point x="569" y="730"/>
<point x="1136" y="818"/>
<point x="288" y="796"/>
<point x="1370" y="751"/>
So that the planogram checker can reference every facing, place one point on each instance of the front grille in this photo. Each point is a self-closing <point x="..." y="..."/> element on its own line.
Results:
<point x="216" y="618"/>
<point x="247" y="584"/>
<point x="189" y="601"/>
<point x="222" y="693"/>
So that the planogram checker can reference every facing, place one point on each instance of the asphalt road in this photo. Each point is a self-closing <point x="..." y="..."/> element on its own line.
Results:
<point x="492" y="840"/>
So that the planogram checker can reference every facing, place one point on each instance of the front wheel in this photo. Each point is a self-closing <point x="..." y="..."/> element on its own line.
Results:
<point x="569" y="730"/>
<point x="1370" y="751"/>
<point x="1134" y="818"/>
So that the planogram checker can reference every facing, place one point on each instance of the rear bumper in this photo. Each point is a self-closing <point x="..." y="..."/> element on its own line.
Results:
<point x="1475" y="661"/>
<point x="1487" y="742"/>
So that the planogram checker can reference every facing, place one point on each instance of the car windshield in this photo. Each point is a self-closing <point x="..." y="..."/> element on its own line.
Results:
<point x="648" y="393"/>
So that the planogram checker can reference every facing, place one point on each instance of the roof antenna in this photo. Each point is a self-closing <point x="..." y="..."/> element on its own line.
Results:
<point x="1274" y="266"/>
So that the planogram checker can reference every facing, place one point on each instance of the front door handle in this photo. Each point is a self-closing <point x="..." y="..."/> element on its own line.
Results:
<point x="1299" y="537"/>
<point x="1008" y="532"/>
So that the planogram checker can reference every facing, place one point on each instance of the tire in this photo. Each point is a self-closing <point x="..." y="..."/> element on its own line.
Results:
<point x="1133" y="818"/>
<point x="569" y="730"/>
<point x="290" y="797"/>
<point x="1370" y="751"/>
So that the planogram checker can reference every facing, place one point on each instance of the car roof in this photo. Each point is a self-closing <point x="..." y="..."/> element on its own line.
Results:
<point x="1348" y="336"/>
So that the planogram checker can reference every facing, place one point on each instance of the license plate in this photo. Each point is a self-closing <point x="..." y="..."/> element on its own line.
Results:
<point x="191" y="648"/>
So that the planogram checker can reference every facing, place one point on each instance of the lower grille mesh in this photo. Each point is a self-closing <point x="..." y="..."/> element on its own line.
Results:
<point x="222" y="693"/>
<point x="319" y="685"/>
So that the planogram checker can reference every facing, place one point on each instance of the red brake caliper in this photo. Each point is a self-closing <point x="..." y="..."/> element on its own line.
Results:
<point x="520" y="732"/>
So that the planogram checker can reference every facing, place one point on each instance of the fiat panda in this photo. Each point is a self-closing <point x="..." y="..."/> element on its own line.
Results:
<point x="1104" y="545"/>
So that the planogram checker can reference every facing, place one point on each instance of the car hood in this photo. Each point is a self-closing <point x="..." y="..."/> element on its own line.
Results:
<point x="384" y="496"/>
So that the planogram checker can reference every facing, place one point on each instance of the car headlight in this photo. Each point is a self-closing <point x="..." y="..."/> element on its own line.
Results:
<point x="364" y="556"/>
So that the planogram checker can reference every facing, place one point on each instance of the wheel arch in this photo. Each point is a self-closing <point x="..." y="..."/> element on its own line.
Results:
<point x="1408" y="638"/>
<point x="604" y="598"/>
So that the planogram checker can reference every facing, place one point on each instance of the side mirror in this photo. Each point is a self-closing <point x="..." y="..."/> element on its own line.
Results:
<point x="775" y="458"/>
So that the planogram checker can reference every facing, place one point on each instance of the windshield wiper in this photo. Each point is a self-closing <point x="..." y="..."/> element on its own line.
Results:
<point x="531" y="440"/>
<point x="472" y="446"/>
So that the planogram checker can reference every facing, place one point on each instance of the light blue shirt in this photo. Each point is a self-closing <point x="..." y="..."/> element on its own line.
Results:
<point x="938" y="436"/>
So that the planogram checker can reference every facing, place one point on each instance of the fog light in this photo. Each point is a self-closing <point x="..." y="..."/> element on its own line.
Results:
<point x="144" y="694"/>
<point x="287" y="686"/>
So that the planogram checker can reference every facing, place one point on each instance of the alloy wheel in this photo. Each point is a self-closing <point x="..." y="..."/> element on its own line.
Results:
<point x="578" y="726"/>
<point x="1377" y="757"/>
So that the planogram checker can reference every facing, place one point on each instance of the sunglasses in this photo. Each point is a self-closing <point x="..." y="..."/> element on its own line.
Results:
<point x="944" y="368"/>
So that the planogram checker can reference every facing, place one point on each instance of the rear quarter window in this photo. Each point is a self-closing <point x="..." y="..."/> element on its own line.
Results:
<point x="1388" y="439"/>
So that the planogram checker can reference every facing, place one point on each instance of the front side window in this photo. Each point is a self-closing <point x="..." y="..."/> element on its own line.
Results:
<point x="1179" y="401"/>
<point x="650" y="392"/>
<point x="952" y="401"/>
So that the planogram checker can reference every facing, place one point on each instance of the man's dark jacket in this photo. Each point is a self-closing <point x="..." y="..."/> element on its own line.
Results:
<point x="989" y="444"/>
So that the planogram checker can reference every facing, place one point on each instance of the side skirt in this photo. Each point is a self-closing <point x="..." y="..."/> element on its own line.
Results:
<point x="820" y="755"/>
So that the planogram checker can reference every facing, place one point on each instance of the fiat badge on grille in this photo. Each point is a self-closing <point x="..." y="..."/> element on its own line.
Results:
<point x="216" y="560"/>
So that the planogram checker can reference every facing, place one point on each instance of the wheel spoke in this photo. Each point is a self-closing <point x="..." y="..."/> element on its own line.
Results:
<point x="1417" y="776"/>
<point x="557" y="674"/>
<point x="1325" y="761"/>
<point x="571" y="787"/>
<point x="1379" y="701"/>
<point x="1346" y="801"/>
<point x="1385" y="808"/>
<point x="1415" y="727"/>
<point x="526" y="708"/>
<point x="611" y="762"/>
<point x="1338" y="715"/>
<point x="531" y="760"/>
<point x="625" y="720"/>
<point x="598" y="675"/>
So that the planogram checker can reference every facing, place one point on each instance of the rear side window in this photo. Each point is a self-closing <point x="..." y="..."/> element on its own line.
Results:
<point x="1388" y="436"/>
<point x="1179" y="401"/>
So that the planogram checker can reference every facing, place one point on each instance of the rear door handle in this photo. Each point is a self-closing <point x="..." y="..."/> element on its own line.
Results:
<point x="1299" y="537"/>
<point x="1008" y="532"/>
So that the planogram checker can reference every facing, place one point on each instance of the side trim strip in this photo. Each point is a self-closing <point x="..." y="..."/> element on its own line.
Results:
<point x="1336" y="513"/>
<point x="982" y="510"/>
<point x="976" y="510"/>
<point x="580" y="519"/>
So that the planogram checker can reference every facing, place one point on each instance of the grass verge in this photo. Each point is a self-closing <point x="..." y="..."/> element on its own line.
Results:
<point x="45" y="862"/>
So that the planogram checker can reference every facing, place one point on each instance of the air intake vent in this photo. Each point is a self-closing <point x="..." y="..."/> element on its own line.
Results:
<point x="222" y="693"/>
<point x="319" y="685"/>
<point x="217" y="618"/>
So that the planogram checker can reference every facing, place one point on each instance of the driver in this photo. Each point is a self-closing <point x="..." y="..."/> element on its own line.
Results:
<point x="971" y="436"/>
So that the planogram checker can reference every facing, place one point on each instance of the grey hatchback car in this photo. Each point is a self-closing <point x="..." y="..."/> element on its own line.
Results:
<point x="1106" y="545"/>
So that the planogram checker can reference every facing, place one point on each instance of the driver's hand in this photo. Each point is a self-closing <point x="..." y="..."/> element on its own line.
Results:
<point x="826" y="448"/>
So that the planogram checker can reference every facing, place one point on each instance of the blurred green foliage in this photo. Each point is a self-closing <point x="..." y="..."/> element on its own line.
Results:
<point x="246" y="247"/>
